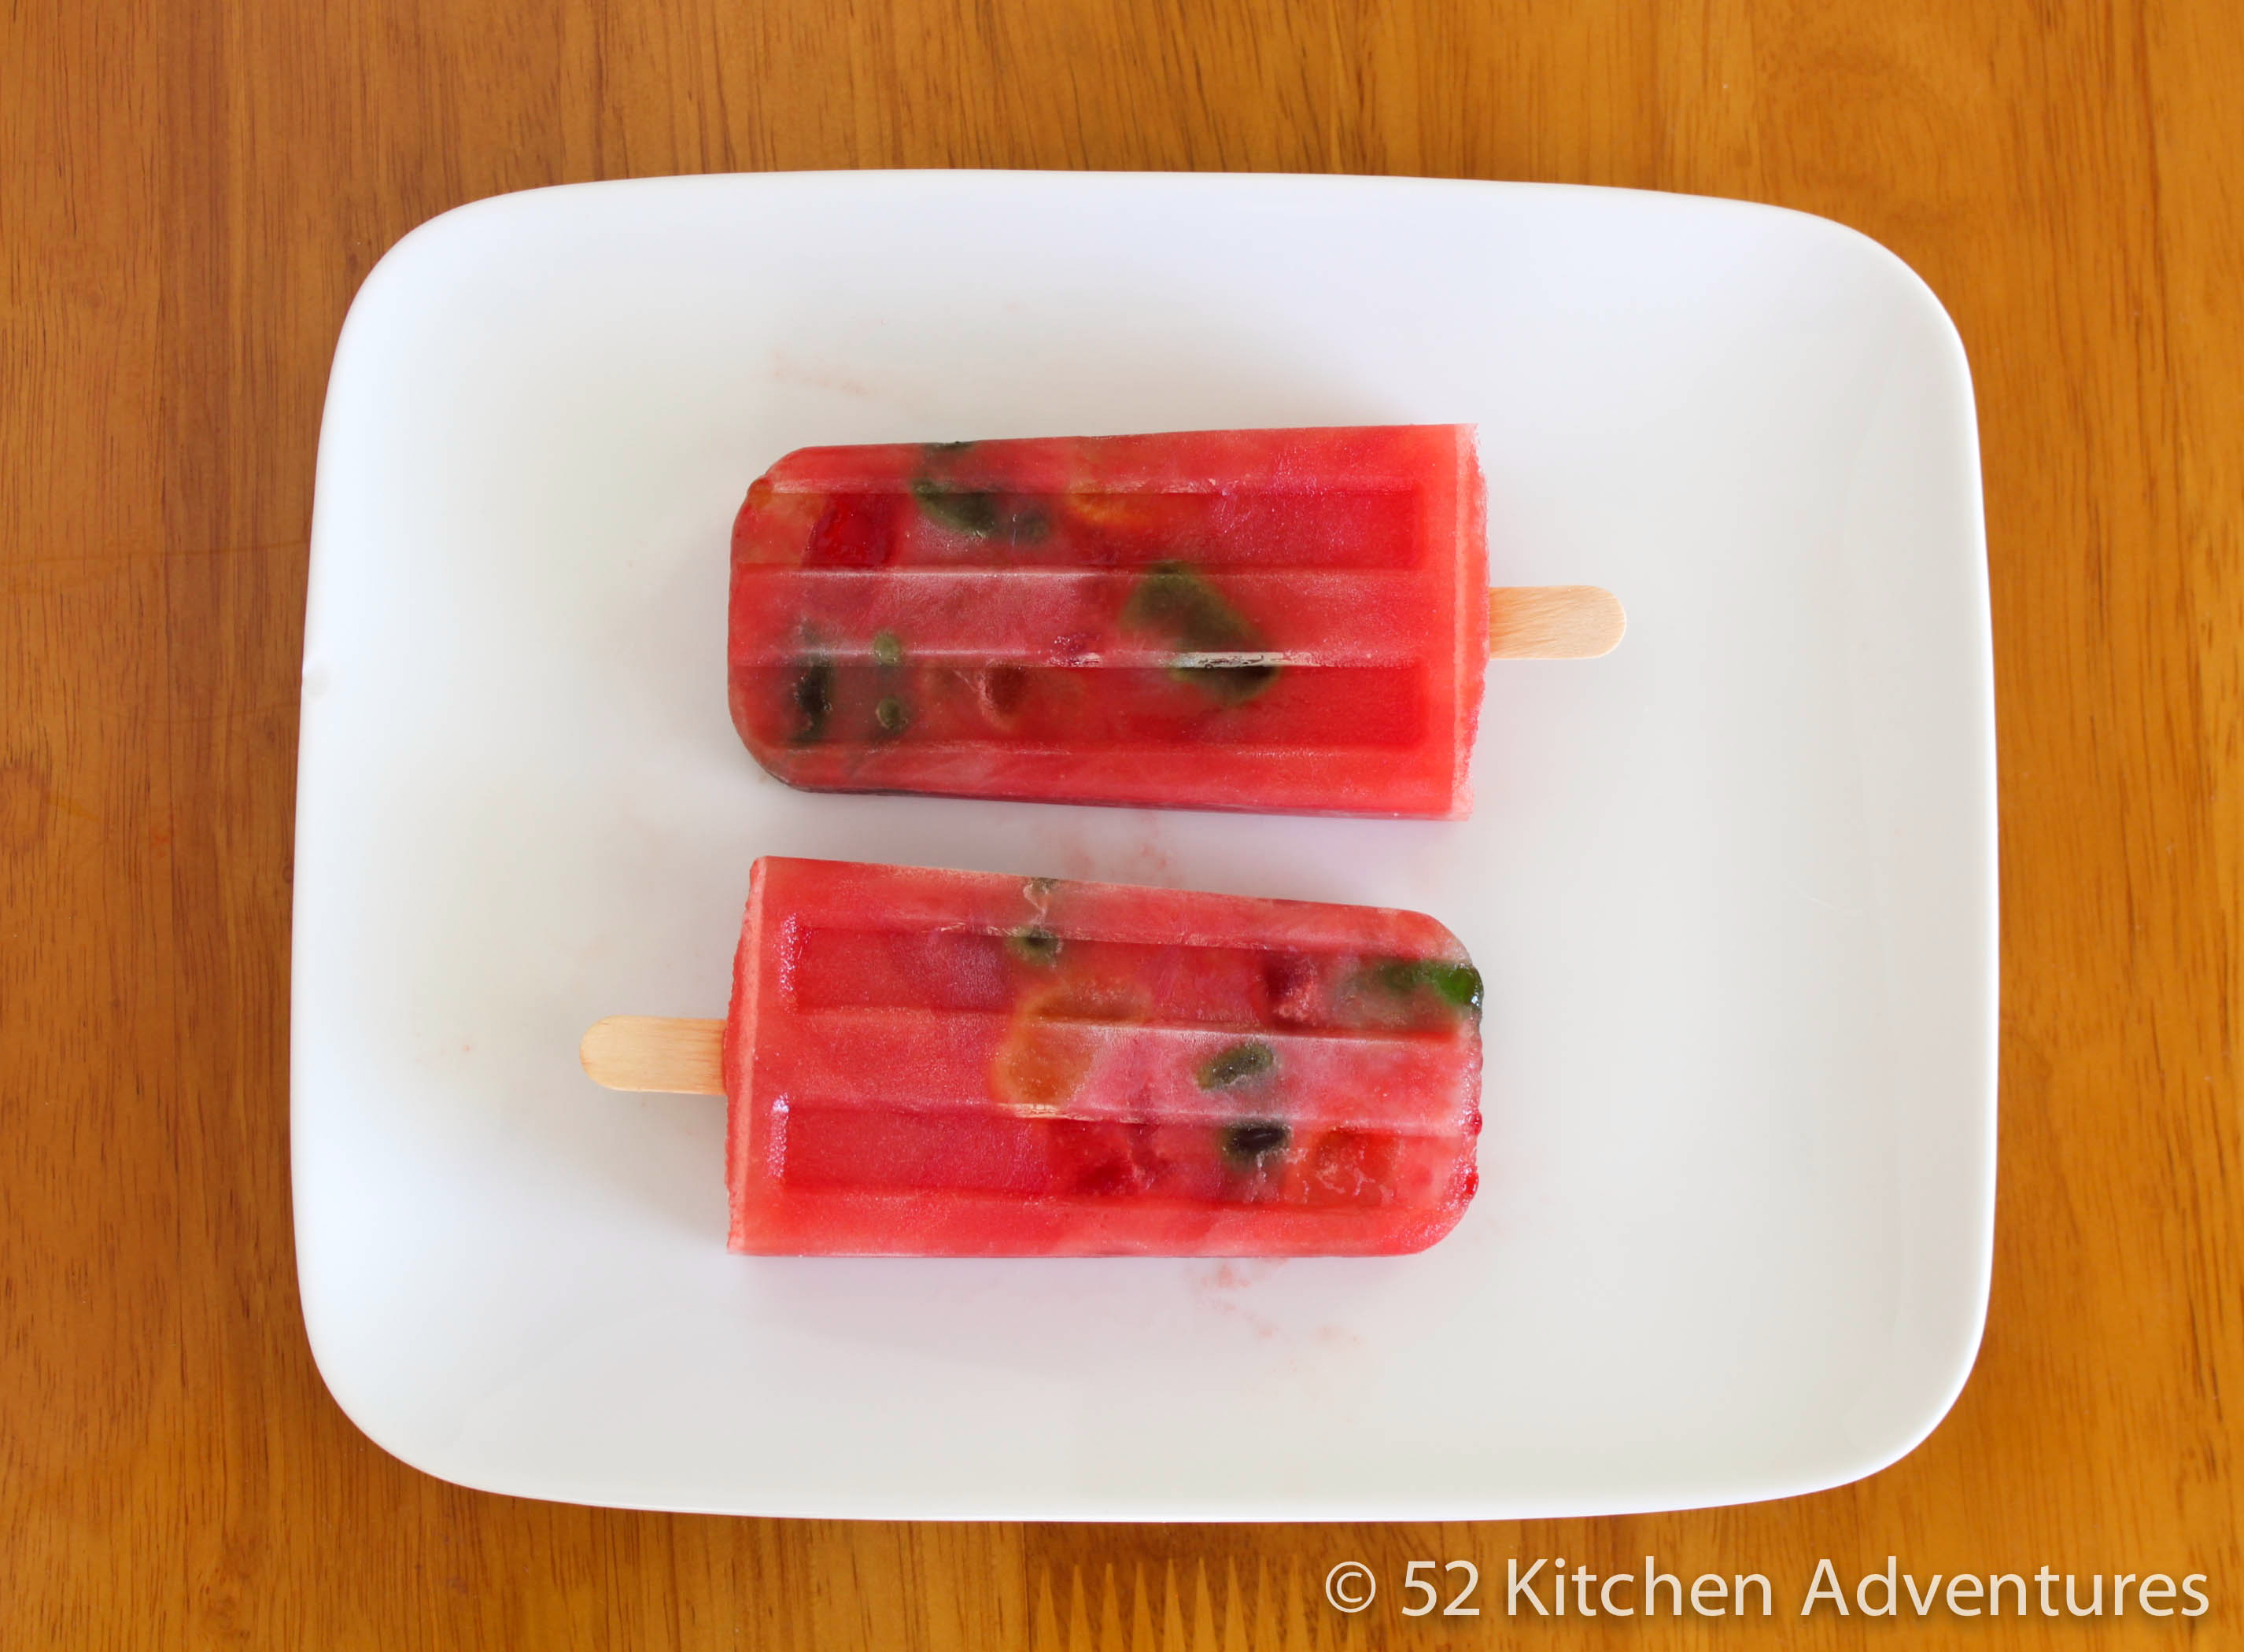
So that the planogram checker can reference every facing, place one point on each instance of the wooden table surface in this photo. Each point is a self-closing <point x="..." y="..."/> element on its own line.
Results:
<point x="190" y="190"/>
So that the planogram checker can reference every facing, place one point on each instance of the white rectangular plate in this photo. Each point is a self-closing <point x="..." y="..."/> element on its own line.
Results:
<point x="1733" y="888"/>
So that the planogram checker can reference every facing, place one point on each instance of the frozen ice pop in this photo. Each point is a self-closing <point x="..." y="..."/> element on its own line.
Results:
<point x="955" y="1063"/>
<point x="1290" y="621"/>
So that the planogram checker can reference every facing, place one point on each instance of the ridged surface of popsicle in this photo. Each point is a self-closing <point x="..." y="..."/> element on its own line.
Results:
<point x="1274" y="620"/>
<point x="950" y="1064"/>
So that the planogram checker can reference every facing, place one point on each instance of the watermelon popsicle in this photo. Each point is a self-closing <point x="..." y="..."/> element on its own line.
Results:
<point x="952" y="1064"/>
<point x="1286" y="621"/>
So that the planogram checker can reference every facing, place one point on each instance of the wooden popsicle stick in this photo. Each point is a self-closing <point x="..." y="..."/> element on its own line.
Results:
<point x="1553" y="622"/>
<point x="684" y="1057"/>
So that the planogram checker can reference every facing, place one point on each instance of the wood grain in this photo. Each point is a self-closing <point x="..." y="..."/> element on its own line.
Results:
<point x="192" y="191"/>
<point x="678" y="1056"/>
<point x="1554" y="622"/>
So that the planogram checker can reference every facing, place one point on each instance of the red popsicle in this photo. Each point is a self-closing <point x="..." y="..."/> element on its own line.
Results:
<point x="953" y="1064"/>
<point x="1291" y="620"/>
